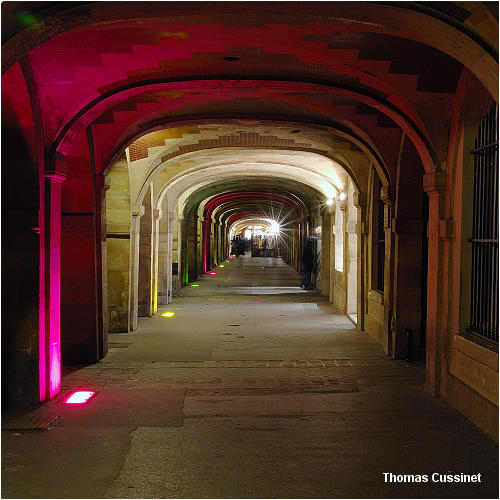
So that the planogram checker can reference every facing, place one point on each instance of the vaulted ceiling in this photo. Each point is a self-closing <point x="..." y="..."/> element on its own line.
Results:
<point x="171" y="80"/>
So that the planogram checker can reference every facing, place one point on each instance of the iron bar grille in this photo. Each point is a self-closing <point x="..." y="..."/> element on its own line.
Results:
<point x="484" y="283"/>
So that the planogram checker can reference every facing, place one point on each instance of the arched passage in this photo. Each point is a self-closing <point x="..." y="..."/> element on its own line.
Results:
<point x="371" y="93"/>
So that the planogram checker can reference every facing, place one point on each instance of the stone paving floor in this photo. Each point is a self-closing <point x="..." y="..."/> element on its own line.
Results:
<point x="253" y="389"/>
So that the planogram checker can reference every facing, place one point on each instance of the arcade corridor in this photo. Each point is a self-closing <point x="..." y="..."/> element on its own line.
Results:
<point x="350" y="148"/>
<point x="259" y="390"/>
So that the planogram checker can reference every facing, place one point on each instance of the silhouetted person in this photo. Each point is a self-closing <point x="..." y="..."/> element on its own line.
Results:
<point x="307" y="265"/>
<point x="238" y="247"/>
<point x="265" y="247"/>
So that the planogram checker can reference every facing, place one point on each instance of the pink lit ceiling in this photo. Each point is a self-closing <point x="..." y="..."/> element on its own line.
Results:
<point x="124" y="69"/>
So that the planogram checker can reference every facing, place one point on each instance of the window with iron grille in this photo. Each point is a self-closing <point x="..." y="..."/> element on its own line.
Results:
<point x="484" y="241"/>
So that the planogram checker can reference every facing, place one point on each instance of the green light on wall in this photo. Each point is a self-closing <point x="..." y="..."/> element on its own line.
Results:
<point x="27" y="19"/>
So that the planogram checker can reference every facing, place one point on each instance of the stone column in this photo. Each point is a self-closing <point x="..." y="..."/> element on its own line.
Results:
<point x="387" y="194"/>
<point x="198" y="242"/>
<point x="83" y="270"/>
<point x="145" y="285"/>
<point x="23" y="272"/>
<point x="340" y="277"/>
<point x="215" y="250"/>
<point x="101" y="186"/>
<point x="332" y="210"/>
<point x="50" y="341"/>
<point x="118" y="248"/>
<point x="206" y="244"/>
<point x="351" y="270"/>
<point x="170" y="221"/>
<point x="163" y="259"/>
<point x="24" y="324"/>
<point x="359" y="200"/>
<point x="135" y="231"/>
<point x="178" y="254"/>
<point x="157" y="214"/>
<point x="435" y="186"/>
<point x="407" y="281"/>
<point x="325" y="252"/>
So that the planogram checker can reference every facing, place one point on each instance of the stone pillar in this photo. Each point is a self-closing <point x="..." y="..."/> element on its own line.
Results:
<point x="23" y="241"/>
<point x="215" y="251"/>
<point x="359" y="200"/>
<point x="145" y="285"/>
<point x="178" y="253"/>
<point x="50" y="341"/>
<point x="435" y="186"/>
<point x="387" y="194"/>
<point x="351" y="269"/>
<point x="83" y="267"/>
<point x="406" y="250"/>
<point x="135" y="231"/>
<point x="24" y="324"/>
<point x="23" y="271"/>
<point x="325" y="252"/>
<point x="101" y="186"/>
<point x="164" y="248"/>
<point x="206" y="244"/>
<point x="157" y="214"/>
<point x="118" y="248"/>
<point x="79" y="265"/>
<point x="407" y="281"/>
<point x="198" y="242"/>
<point x="332" y="252"/>
<point x="118" y="281"/>
<point x="170" y="254"/>
<point x="339" y="294"/>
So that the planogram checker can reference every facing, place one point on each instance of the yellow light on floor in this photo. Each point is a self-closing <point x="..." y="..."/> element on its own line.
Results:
<point x="221" y="265"/>
<point x="168" y="314"/>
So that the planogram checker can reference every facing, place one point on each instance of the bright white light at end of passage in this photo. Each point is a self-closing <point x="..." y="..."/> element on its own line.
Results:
<point x="274" y="227"/>
<point x="342" y="196"/>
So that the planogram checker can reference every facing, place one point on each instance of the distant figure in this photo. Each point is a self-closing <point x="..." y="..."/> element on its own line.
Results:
<point x="307" y="265"/>
<point x="238" y="247"/>
<point x="265" y="247"/>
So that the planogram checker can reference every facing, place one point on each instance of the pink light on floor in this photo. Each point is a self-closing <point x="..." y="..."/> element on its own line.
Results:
<point x="212" y="273"/>
<point x="80" y="397"/>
